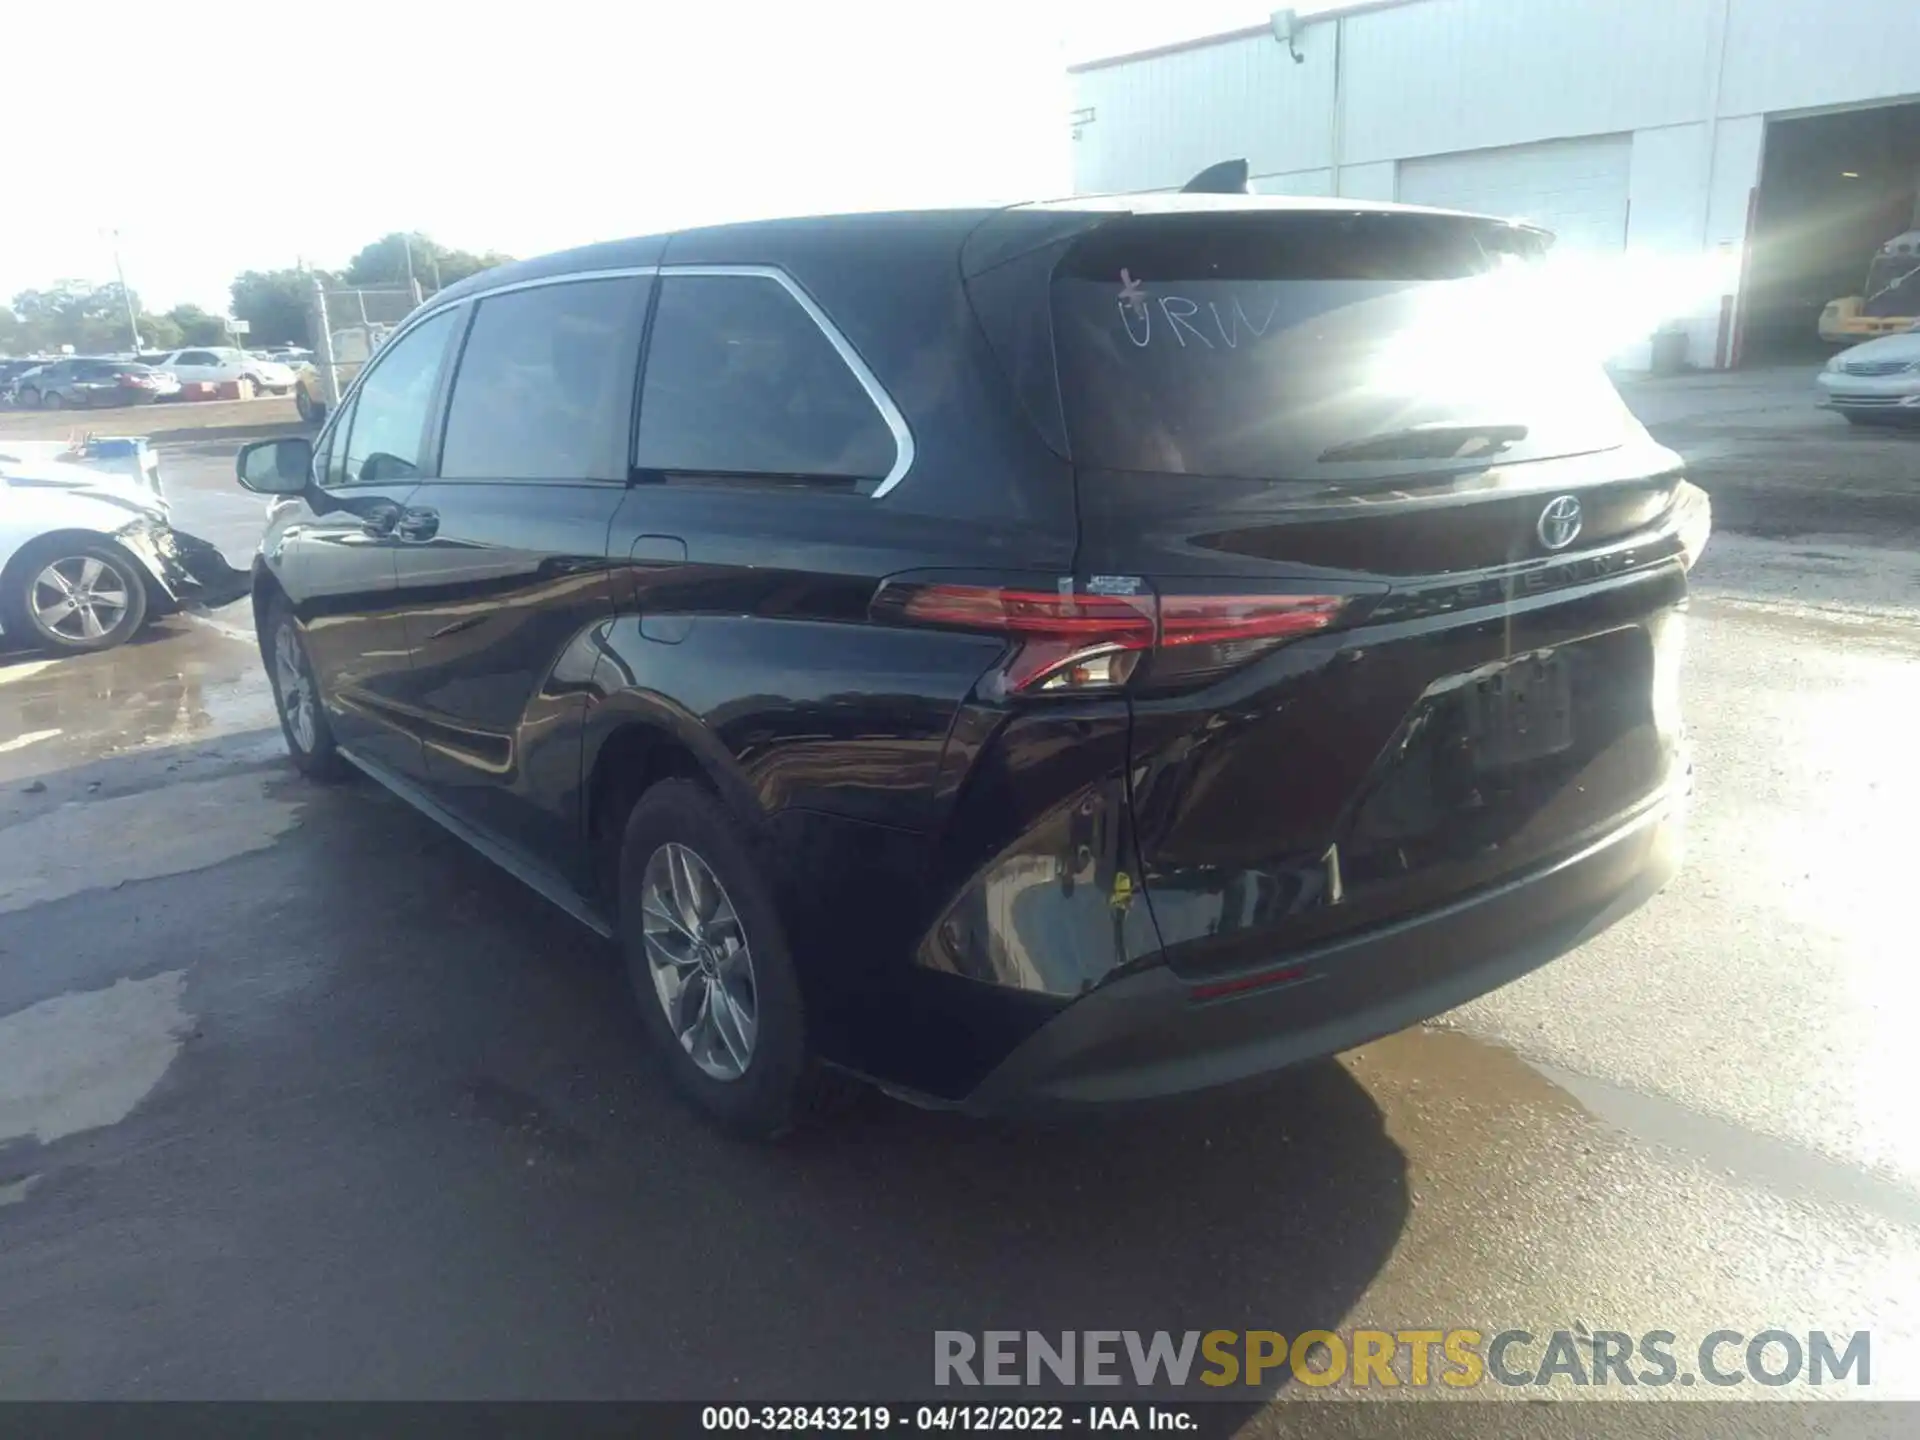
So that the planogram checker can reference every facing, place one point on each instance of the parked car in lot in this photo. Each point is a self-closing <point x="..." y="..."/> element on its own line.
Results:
<point x="1046" y="655"/>
<point x="222" y="364"/>
<point x="1875" y="383"/>
<point x="82" y="382"/>
<point x="10" y="373"/>
<point x="87" y="552"/>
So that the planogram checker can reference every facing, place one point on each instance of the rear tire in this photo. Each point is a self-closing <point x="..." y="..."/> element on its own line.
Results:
<point x="296" y="696"/>
<point x="52" y="400"/>
<point x="311" y="410"/>
<point x="703" y="940"/>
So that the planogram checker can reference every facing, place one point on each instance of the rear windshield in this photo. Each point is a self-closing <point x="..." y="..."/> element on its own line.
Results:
<point x="1325" y="348"/>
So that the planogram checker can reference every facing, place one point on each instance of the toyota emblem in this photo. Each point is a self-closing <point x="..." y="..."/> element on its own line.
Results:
<point x="1559" y="522"/>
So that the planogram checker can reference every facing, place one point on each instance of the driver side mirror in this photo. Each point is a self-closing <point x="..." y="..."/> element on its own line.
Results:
<point x="276" y="467"/>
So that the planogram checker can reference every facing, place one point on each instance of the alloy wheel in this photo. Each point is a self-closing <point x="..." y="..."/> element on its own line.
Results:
<point x="291" y="679"/>
<point x="702" y="968"/>
<point x="79" y="598"/>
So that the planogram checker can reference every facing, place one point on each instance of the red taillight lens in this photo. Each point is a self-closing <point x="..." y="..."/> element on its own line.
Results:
<point x="145" y="381"/>
<point x="1206" y="635"/>
<point x="1073" y="642"/>
<point x="1067" y="641"/>
<point x="1210" y="619"/>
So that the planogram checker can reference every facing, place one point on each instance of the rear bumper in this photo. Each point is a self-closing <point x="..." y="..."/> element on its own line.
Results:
<point x="1147" y="1035"/>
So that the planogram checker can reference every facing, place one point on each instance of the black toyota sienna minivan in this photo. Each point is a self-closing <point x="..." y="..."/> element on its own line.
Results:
<point x="1063" y="653"/>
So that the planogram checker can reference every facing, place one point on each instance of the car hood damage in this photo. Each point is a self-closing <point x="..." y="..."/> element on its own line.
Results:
<point x="121" y="483"/>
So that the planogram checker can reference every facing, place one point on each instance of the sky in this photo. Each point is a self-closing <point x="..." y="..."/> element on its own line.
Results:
<point x="221" y="138"/>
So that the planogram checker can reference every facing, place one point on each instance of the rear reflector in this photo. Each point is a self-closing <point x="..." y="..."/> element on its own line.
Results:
<point x="1077" y="642"/>
<point x="1241" y="984"/>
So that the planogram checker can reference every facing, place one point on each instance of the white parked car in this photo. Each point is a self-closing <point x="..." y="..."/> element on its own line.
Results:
<point x="87" y="553"/>
<point x="218" y="364"/>
<point x="1878" y="382"/>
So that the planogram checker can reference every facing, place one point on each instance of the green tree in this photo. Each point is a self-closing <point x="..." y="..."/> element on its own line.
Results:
<point x="13" y="339"/>
<point x="195" y="326"/>
<point x="276" y="305"/>
<point x="160" y="332"/>
<point x="91" y="318"/>
<point x="384" y="262"/>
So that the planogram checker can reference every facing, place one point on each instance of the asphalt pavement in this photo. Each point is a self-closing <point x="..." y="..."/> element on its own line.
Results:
<point x="299" y="1097"/>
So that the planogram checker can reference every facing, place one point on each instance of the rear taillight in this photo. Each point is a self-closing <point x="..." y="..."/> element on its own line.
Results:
<point x="1074" y="642"/>
<point x="1693" y="520"/>
<point x="1065" y="641"/>
<point x="132" y="379"/>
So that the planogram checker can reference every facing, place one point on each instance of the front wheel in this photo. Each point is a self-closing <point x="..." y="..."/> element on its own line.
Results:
<point x="75" y="597"/>
<point x="708" y="963"/>
<point x="303" y="720"/>
<point x="53" y="400"/>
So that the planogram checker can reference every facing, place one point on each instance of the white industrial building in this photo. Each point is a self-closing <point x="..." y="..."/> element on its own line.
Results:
<point x="1780" y="136"/>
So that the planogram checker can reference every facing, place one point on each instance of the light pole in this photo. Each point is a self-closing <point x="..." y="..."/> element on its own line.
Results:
<point x="126" y="295"/>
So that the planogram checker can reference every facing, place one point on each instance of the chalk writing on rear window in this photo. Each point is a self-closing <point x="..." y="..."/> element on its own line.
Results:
<point x="1180" y="320"/>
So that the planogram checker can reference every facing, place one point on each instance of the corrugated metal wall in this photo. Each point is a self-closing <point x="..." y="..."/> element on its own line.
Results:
<point x="1475" y="103"/>
<point x="1158" y="123"/>
<point x="1448" y="75"/>
<point x="1440" y="76"/>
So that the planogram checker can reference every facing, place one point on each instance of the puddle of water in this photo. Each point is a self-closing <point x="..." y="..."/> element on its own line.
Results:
<point x="185" y="682"/>
<point x="91" y="844"/>
<point x="1741" y="1154"/>
<point x="85" y="1059"/>
<point x="1475" y="1067"/>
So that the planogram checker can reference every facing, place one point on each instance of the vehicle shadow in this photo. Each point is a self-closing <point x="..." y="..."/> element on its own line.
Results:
<point x="824" y="1265"/>
<point x="416" y="1123"/>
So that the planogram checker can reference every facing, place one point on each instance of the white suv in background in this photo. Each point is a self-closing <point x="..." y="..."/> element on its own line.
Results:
<point x="218" y="364"/>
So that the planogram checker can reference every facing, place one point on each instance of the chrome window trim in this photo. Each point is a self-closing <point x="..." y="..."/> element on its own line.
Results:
<point x="843" y="347"/>
<point x="890" y="414"/>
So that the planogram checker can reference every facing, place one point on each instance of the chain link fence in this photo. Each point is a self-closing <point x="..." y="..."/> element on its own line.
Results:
<point x="349" y="325"/>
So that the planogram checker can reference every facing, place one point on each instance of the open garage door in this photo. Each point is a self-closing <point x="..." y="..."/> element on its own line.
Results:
<point x="1839" y="197"/>
<point x="1575" y="188"/>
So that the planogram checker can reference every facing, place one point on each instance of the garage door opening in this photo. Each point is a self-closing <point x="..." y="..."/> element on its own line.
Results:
<point x="1834" y="189"/>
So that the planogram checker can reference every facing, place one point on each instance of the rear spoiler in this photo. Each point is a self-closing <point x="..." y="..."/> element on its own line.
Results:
<point x="1229" y="177"/>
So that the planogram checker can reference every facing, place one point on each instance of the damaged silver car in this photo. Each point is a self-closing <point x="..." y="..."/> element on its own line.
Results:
<point x="88" y="552"/>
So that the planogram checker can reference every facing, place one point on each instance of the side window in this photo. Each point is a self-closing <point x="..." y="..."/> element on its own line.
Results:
<point x="741" y="381"/>
<point x="545" y="384"/>
<point x="195" y="357"/>
<point x="388" y="426"/>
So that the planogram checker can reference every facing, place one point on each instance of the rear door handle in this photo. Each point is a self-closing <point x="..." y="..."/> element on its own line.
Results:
<point x="418" y="523"/>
